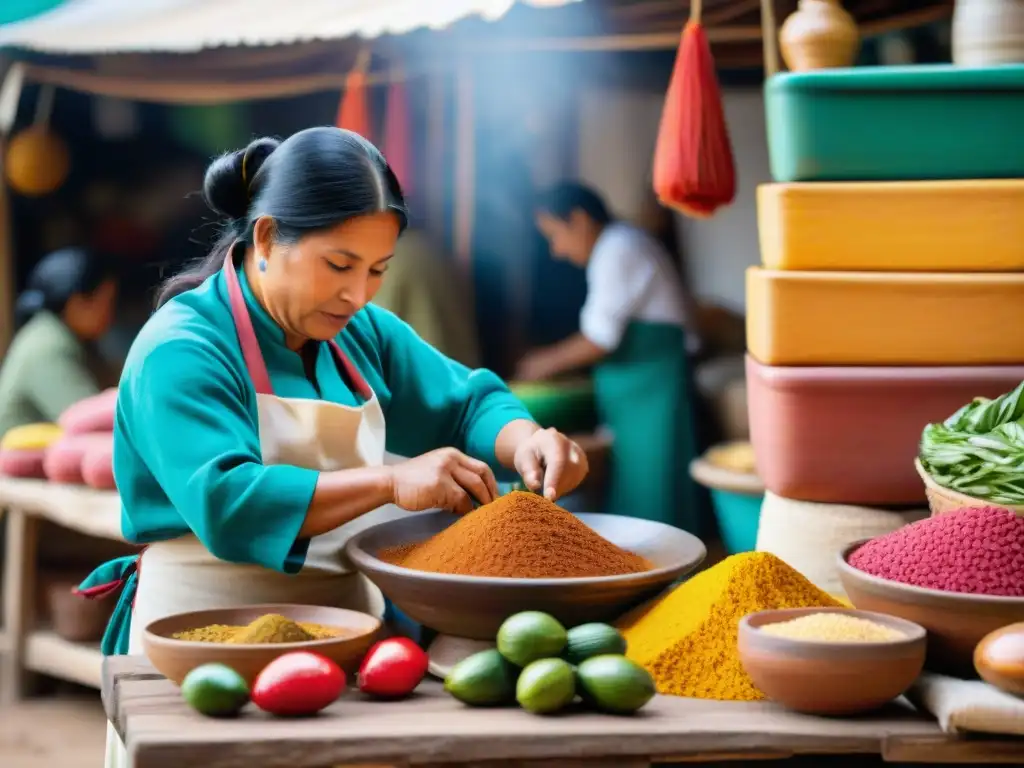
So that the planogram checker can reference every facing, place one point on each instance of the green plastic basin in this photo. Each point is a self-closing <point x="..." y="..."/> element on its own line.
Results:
<point x="567" y="406"/>
<point x="896" y="123"/>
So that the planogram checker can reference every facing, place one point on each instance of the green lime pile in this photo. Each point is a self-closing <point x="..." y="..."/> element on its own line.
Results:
<point x="545" y="668"/>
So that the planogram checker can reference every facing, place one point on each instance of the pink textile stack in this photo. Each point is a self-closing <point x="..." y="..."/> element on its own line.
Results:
<point x="84" y="455"/>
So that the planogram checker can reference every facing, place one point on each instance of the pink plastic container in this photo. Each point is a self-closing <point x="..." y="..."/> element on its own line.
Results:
<point x="850" y="435"/>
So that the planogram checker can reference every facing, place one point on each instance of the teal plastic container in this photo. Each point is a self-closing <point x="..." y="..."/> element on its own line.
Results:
<point x="738" y="515"/>
<point x="896" y="123"/>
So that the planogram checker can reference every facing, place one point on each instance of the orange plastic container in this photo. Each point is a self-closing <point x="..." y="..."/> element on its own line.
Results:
<point x="885" y="318"/>
<point x="850" y="435"/>
<point x="898" y="226"/>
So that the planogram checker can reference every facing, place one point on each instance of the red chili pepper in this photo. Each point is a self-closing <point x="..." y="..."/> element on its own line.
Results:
<point x="392" y="668"/>
<point x="298" y="683"/>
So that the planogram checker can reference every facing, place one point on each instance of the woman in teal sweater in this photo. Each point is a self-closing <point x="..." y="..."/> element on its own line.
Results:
<point x="250" y="438"/>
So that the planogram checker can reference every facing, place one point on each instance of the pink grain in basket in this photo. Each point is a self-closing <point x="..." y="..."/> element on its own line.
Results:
<point x="973" y="550"/>
<point x="25" y="463"/>
<point x="63" y="461"/>
<point x="98" y="465"/>
<point x="93" y="414"/>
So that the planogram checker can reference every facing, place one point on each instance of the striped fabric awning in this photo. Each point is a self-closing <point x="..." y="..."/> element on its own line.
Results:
<point x="186" y="26"/>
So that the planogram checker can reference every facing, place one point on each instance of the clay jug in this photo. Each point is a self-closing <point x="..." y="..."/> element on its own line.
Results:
<point x="988" y="32"/>
<point x="818" y="35"/>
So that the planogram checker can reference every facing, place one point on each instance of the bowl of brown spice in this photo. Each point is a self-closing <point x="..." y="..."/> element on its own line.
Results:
<point x="464" y="576"/>
<point x="250" y="637"/>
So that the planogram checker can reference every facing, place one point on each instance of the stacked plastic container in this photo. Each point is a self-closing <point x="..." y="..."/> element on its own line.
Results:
<point x="891" y="290"/>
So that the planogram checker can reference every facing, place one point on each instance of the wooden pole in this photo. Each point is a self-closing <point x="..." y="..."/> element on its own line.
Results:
<point x="434" y="186"/>
<point x="465" y="164"/>
<point x="10" y="96"/>
<point x="770" y="35"/>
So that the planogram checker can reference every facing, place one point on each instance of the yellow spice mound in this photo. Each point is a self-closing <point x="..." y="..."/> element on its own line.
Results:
<point x="687" y="638"/>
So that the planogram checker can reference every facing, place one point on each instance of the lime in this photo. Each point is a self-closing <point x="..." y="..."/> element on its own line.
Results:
<point x="529" y="636"/>
<point x="546" y="686"/>
<point x="614" y="684"/>
<point x="595" y="639"/>
<point x="215" y="690"/>
<point x="483" y="679"/>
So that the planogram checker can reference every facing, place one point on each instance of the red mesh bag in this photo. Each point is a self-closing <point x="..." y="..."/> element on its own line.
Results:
<point x="694" y="170"/>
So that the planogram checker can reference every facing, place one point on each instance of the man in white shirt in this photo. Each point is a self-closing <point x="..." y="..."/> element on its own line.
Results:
<point x="632" y="328"/>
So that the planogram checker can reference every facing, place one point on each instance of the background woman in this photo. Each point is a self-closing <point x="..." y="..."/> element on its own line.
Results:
<point x="634" y="328"/>
<point x="250" y="435"/>
<point x="67" y="305"/>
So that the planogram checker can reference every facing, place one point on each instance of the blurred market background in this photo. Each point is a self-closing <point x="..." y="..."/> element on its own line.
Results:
<point x="110" y="111"/>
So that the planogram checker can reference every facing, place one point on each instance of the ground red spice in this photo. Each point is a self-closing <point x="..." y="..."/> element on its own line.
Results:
<point x="520" y="535"/>
<point x="977" y="551"/>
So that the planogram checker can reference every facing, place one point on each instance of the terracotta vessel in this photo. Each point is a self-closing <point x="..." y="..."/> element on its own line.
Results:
<point x="830" y="678"/>
<point x="174" y="659"/>
<point x="956" y="622"/>
<point x="820" y="34"/>
<point x="988" y="32"/>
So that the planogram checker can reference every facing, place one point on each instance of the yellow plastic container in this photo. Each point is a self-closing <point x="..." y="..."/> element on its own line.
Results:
<point x="897" y="226"/>
<point x="884" y="318"/>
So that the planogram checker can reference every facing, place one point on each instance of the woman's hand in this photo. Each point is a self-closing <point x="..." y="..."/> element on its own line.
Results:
<point x="446" y="478"/>
<point x="535" y="366"/>
<point x="550" y="460"/>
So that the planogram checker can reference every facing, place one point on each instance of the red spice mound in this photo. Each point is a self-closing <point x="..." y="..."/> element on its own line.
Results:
<point x="520" y="535"/>
<point x="977" y="551"/>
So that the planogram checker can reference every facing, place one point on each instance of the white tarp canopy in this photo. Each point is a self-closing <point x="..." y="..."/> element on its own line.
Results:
<point x="187" y="26"/>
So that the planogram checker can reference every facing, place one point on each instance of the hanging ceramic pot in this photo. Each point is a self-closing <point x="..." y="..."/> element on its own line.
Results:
<point x="37" y="161"/>
<point x="987" y="32"/>
<point x="820" y="34"/>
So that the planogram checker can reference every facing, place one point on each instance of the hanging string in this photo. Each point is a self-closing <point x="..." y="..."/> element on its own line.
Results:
<point x="44" y="106"/>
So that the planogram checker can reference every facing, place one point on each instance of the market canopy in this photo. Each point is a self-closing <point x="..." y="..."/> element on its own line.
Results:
<point x="186" y="26"/>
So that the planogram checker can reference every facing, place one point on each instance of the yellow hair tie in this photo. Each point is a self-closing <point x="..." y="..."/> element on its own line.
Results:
<point x="245" y="176"/>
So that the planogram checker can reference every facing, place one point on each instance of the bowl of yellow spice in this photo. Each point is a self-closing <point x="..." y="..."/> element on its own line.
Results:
<point x="831" y="661"/>
<point x="250" y="637"/>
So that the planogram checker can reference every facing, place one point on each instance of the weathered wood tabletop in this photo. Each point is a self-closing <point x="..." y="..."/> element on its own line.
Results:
<point x="433" y="729"/>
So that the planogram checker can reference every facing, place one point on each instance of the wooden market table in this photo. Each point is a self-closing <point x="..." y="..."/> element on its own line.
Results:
<point x="25" y="646"/>
<point x="433" y="729"/>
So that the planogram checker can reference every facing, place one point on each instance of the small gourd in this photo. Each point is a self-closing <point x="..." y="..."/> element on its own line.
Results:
<point x="820" y="34"/>
<point x="999" y="658"/>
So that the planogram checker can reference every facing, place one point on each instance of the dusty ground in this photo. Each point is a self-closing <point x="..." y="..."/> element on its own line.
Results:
<point x="62" y="730"/>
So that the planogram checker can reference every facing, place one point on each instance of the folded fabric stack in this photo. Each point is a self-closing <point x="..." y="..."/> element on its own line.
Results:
<point x="890" y="292"/>
<point x="83" y="455"/>
<point x="23" y="448"/>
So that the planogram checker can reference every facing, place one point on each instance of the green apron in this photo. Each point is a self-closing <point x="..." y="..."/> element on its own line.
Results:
<point x="643" y="397"/>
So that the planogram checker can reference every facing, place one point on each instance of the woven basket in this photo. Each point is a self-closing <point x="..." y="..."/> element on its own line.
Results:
<point x="808" y="534"/>
<point x="943" y="501"/>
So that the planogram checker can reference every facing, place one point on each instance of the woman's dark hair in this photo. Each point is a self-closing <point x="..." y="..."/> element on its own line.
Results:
<point x="313" y="180"/>
<point x="568" y="196"/>
<point x="59" y="276"/>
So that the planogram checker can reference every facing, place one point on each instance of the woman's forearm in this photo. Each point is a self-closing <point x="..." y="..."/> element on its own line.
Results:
<point x="344" y="495"/>
<point x="509" y="439"/>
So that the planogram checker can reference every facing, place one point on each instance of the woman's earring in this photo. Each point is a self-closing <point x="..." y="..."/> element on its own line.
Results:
<point x="262" y="264"/>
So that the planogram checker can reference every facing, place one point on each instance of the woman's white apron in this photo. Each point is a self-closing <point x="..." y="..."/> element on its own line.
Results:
<point x="181" y="575"/>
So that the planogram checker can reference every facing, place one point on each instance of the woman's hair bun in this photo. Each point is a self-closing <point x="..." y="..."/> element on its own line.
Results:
<point x="228" y="184"/>
<point x="29" y="302"/>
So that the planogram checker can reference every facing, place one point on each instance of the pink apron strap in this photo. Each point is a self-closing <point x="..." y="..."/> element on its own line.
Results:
<point x="354" y="376"/>
<point x="251" y="347"/>
<point x="246" y="333"/>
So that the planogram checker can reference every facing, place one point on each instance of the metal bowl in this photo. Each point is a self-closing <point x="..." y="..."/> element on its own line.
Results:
<point x="475" y="606"/>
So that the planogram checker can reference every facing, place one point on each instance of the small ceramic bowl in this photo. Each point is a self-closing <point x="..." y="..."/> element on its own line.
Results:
<point x="176" y="658"/>
<point x="826" y="678"/>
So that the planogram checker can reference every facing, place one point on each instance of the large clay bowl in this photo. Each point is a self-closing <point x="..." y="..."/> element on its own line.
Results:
<point x="176" y="658"/>
<point x="956" y="622"/>
<point x="475" y="606"/>
<point x="825" y="678"/>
